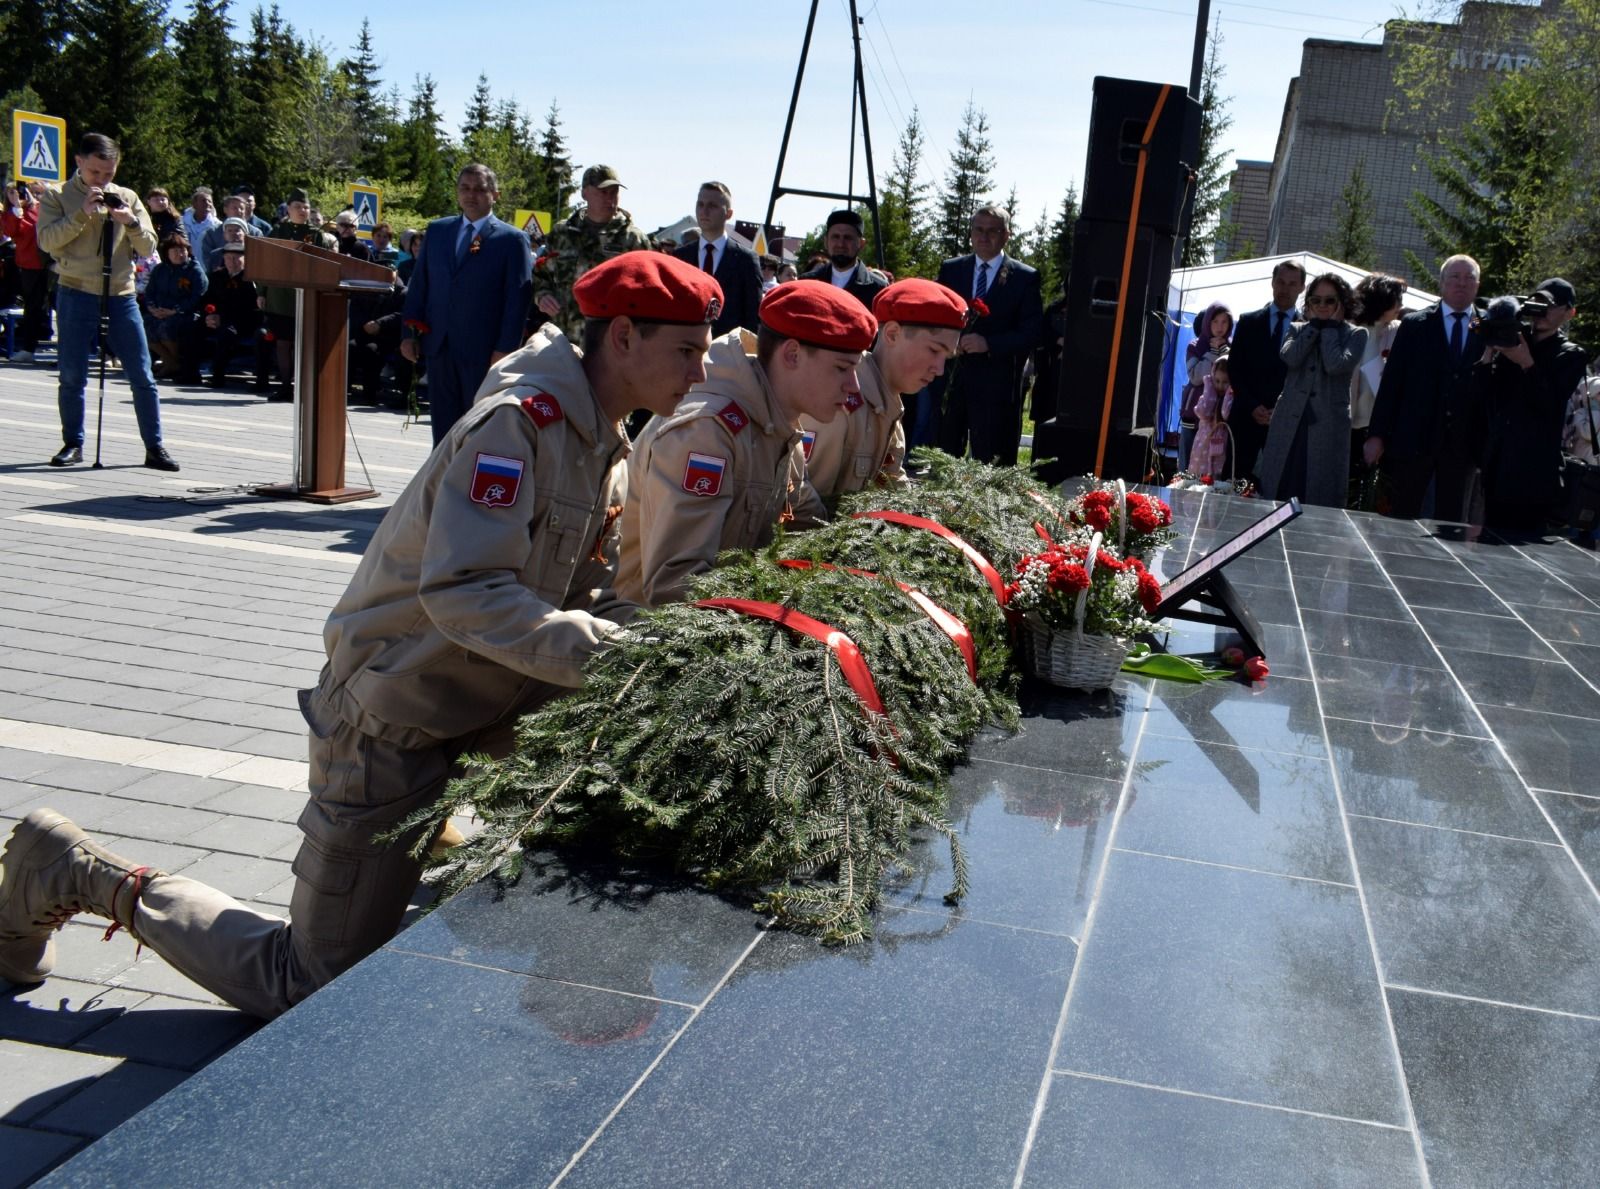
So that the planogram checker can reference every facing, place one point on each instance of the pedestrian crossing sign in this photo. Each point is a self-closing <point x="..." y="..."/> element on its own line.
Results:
<point x="38" y="147"/>
<point x="367" y="203"/>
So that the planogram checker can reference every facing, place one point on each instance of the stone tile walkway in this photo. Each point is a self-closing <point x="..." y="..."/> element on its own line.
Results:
<point x="153" y="631"/>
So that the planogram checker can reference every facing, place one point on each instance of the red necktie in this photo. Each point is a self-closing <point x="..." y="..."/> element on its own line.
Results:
<point x="711" y="257"/>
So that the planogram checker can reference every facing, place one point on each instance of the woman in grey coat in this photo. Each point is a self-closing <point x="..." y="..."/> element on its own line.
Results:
<point x="1308" y="440"/>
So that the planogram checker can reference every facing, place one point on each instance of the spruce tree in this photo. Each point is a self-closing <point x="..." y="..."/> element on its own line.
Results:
<point x="1211" y="171"/>
<point x="1062" y="232"/>
<point x="902" y="208"/>
<point x="31" y="35"/>
<point x="553" y="189"/>
<point x="205" y="78"/>
<point x="480" y="115"/>
<point x="1353" y="241"/>
<point x="367" y="105"/>
<point x="423" y="151"/>
<point x="967" y="183"/>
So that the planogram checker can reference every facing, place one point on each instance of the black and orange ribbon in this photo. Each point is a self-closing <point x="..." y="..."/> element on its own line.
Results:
<point x="981" y="563"/>
<point x="949" y="624"/>
<point x="851" y="663"/>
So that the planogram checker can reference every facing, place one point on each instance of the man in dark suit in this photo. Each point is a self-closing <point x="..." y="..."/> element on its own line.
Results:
<point x="843" y="240"/>
<point x="734" y="266"/>
<point x="1255" y="369"/>
<point x="1425" y="425"/>
<point x="985" y="381"/>
<point x="468" y="298"/>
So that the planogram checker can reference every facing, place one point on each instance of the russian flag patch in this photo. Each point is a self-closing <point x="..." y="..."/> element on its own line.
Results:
<point x="808" y="442"/>
<point x="496" y="480"/>
<point x="703" y="474"/>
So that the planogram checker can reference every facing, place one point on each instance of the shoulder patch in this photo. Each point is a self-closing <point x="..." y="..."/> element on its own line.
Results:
<point x="734" y="416"/>
<point x="853" y="402"/>
<point x="496" y="480"/>
<point x="808" y="442"/>
<point x="543" y="408"/>
<point x="703" y="474"/>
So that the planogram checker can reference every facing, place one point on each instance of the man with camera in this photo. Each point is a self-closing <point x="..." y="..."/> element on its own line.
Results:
<point x="19" y="220"/>
<point x="79" y="225"/>
<point x="1527" y="374"/>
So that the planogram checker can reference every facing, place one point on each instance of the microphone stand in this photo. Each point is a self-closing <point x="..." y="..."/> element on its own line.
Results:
<point x="105" y="328"/>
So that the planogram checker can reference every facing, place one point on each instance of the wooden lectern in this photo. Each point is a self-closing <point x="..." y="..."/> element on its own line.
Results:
<point x="323" y="282"/>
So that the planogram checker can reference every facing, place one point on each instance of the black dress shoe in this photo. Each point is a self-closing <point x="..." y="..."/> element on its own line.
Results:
<point x="157" y="459"/>
<point x="67" y="456"/>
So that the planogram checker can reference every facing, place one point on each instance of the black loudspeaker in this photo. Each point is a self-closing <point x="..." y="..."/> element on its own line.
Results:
<point x="1122" y="111"/>
<point x="1095" y="309"/>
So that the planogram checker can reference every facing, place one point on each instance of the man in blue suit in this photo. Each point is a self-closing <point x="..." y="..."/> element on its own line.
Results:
<point x="468" y="299"/>
<point x="985" y="383"/>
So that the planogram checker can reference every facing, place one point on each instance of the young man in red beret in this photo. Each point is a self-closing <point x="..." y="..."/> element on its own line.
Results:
<point x="482" y="593"/>
<point x="724" y="470"/>
<point x="919" y="324"/>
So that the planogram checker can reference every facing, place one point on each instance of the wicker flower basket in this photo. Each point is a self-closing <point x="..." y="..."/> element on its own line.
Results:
<point x="1070" y="657"/>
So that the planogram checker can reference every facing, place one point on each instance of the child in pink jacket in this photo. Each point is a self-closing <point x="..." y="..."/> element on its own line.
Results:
<point x="1210" y="453"/>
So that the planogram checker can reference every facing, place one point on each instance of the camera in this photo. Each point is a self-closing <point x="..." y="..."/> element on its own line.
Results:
<point x="1507" y="319"/>
<point x="112" y="202"/>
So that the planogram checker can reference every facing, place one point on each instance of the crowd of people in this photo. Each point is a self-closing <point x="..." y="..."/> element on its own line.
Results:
<point x="1331" y="394"/>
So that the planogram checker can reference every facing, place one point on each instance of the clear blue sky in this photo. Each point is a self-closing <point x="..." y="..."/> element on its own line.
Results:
<point x="671" y="96"/>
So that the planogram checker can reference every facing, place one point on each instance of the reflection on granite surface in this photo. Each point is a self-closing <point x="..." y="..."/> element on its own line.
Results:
<point x="1502" y="1096"/>
<point x="1578" y="820"/>
<point x="1425" y="593"/>
<point x="912" y="1060"/>
<point x="1036" y="836"/>
<point x="1107" y="1135"/>
<point x="1235" y="984"/>
<point x="1356" y="636"/>
<point x="1401" y="696"/>
<point x="593" y="923"/>
<point x="1485" y="633"/>
<point x="1432" y="779"/>
<point x="1349" y="598"/>
<point x="1495" y="918"/>
<point x="1084" y="734"/>
<point x="407" y="1070"/>
<point x="1279" y="714"/>
<point x="1550" y="751"/>
<point x="1271" y="811"/>
<point x="1523" y="683"/>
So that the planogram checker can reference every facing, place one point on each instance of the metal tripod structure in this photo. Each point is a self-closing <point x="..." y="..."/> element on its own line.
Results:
<point x="858" y="101"/>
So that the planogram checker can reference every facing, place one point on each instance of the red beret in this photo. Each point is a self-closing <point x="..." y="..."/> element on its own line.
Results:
<point x="819" y="315"/>
<point x="921" y="303"/>
<point x="650" y="286"/>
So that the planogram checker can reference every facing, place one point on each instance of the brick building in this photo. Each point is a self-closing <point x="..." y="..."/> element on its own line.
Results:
<point x="1348" y="105"/>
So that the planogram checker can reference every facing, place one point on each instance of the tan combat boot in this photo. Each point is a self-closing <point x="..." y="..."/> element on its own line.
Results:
<point x="50" y="872"/>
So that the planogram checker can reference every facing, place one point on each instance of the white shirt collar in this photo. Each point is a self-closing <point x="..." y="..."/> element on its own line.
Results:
<point x="718" y="247"/>
<point x="842" y="279"/>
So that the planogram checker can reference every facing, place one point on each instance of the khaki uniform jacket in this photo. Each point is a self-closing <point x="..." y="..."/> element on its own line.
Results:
<point x="489" y="582"/>
<point x="718" y="474"/>
<point x="861" y="447"/>
<point x="73" y="238"/>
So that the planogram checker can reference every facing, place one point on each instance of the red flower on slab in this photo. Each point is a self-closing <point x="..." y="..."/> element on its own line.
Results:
<point x="1255" y="669"/>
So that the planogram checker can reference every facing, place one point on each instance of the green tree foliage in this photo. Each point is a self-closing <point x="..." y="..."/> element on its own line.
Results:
<point x="204" y="81"/>
<point x="28" y="100"/>
<point x="1211" y="171"/>
<point x="424" y="154"/>
<point x="1047" y="246"/>
<point x="967" y="183"/>
<point x="908" y="249"/>
<point x="1353" y="240"/>
<point x="31" y="32"/>
<point x="371" y="112"/>
<point x="553" y="187"/>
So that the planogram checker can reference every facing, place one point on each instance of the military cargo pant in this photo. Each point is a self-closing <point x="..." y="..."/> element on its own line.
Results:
<point x="350" y="892"/>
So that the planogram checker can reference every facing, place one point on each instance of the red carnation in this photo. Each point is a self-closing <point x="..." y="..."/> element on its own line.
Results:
<point x="211" y="309"/>
<point x="980" y="307"/>
<point x="417" y="325"/>
<point x="1149" y="591"/>
<point x="1255" y="669"/>
<point x="1071" y="578"/>
<point x="269" y="337"/>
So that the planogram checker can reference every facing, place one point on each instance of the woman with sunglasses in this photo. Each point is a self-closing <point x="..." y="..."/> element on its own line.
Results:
<point x="1308" y="444"/>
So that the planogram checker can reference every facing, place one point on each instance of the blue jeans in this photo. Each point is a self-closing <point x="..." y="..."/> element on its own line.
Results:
<point x="77" y="333"/>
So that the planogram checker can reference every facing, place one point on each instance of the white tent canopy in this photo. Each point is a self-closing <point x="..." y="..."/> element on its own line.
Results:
<point x="1242" y="286"/>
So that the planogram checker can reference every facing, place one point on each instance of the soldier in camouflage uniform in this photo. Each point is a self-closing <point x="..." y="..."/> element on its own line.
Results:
<point x="591" y="236"/>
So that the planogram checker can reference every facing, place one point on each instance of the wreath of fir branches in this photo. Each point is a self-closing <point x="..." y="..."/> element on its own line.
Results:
<point x="734" y="748"/>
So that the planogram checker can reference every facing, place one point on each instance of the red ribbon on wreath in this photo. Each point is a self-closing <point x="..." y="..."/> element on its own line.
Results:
<point x="851" y="663"/>
<point x="947" y="623"/>
<point x="990" y="574"/>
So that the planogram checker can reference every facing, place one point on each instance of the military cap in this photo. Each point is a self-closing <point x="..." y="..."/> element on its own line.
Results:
<point x="650" y="287"/>
<point x="298" y="195"/>
<point x="1560" y="291"/>
<point x="852" y="218"/>
<point x="921" y="303"/>
<point x="601" y="177"/>
<point x="239" y="247"/>
<point x="819" y="315"/>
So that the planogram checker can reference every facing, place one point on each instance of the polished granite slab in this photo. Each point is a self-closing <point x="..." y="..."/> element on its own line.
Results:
<point x="1337" y="928"/>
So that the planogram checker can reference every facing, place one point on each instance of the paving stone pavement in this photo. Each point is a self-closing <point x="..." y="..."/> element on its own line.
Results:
<point x="153" y="631"/>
